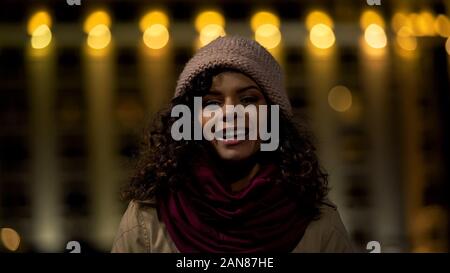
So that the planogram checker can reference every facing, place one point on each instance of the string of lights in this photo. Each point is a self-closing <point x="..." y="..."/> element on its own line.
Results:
<point x="210" y="24"/>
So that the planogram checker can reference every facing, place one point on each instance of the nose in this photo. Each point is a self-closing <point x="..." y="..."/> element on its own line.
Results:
<point x="228" y="109"/>
<point x="228" y="113"/>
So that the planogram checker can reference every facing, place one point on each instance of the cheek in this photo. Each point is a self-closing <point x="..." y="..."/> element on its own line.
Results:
<point x="203" y="120"/>
<point x="209" y="122"/>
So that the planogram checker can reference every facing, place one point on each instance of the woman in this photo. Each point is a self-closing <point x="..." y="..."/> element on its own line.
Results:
<point x="228" y="195"/>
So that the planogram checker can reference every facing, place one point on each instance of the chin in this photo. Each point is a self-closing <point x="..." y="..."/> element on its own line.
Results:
<point x="233" y="156"/>
<point x="238" y="152"/>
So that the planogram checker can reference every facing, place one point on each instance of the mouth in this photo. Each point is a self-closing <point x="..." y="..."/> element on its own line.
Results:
<point x="232" y="136"/>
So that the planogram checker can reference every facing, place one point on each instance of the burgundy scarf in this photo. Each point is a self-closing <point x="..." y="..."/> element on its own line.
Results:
<point x="206" y="216"/>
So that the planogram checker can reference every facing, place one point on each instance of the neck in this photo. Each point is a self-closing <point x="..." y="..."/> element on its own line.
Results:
<point x="244" y="181"/>
<point x="237" y="174"/>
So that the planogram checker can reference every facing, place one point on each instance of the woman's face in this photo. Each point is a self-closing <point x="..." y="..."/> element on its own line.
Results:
<point x="233" y="88"/>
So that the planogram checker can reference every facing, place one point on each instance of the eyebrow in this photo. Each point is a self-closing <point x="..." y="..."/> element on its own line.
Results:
<point x="240" y="90"/>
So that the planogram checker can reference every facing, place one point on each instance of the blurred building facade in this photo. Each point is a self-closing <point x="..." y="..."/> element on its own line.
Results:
<point x="71" y="115"/>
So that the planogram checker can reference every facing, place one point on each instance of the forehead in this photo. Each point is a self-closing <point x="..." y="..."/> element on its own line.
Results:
<point x="231" y="80"/>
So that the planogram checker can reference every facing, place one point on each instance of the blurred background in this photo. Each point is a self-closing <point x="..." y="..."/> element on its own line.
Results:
<point x="79" y="82"/>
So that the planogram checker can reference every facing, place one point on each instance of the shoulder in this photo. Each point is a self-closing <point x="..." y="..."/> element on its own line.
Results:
<point x="327" y="233"/>
<point x="131" y="235"/>
<point x="141" y="231"/>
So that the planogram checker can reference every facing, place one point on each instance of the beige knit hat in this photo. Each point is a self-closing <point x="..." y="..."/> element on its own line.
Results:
<point x="244" y="55"/>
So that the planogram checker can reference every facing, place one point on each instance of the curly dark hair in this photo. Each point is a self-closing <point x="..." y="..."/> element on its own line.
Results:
<point x="164" y="163"/>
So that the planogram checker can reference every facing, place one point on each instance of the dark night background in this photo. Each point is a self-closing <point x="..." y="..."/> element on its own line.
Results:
<point x="71" y="117"/>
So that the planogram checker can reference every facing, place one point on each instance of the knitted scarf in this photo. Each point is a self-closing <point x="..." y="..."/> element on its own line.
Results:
<point x="205" y="215"/>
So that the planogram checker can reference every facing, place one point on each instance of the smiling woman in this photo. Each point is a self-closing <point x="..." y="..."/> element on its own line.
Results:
<point x="226" y="194"/>
<point x="233" y="114"/>
<point x="240" y="141"/>
<point x="231" y="125"/>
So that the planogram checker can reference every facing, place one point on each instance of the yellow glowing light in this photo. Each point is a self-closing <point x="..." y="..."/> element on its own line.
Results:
<point x="322" y="36"/>
<point x="263" y="18"/>
<point x="447" y="46"/>
<point x="152" y="18"/>
<point x="10" y="238"/>
<point x="370" y="17"/>
<point x="371" y="52"/>
<point x="156" y="36"/>
<point x="412" y="18"/>
<point x="424" y="24"/>
<point x="268" y="35"/>
<point x="209" y="33"/>
<point x="318" y="17"/>
<point x="340" y="98"/>
<point x="41" y="37"/>
<point x="96" y="18"/>
<point x="38" y="19"/>
<point x="99" y="37"/>
<point x="442" y="25"/>
<point x="209" y="18"/>
<point x="375" y="36"/>
<point x="406" y="39"/>
<point x="400" y="20"/>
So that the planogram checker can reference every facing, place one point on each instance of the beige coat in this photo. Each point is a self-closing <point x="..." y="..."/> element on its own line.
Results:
<point x="141" y="231"/>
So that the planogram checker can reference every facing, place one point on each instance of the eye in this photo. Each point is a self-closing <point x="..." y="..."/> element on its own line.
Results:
<point x="208" y="102"/>
<point x="249" y="100"/>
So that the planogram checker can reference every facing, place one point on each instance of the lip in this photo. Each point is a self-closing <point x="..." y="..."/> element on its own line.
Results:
<point x="232" y="135"/>
<point x="230" y="142"/>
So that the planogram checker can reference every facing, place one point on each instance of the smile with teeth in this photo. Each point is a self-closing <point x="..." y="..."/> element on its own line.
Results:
<point x="231" y="134"/>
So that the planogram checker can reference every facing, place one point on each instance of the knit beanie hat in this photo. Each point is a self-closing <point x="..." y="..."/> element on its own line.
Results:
<point x="244" y="55"/>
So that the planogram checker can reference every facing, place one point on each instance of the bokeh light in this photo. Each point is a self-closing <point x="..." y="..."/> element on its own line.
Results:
<point x="262" y="18"/>
<point x="156" y="36"/>
<point x="210" y="25"/>
<point x="209" y="18"/>
<point x="38" y="19"/>
<point x="340" y="98"/>
<point x="97" y="26"/>
<point x="318" y="17"/>
<point x="322" y="36"/>
<point x="268" y="35"/>
<point x="209" y="33"/>
<point x="400" y="20"/>
<point x="370" y="17"/>
<point x="39" y="29"/>
<point x="152" y="18"/>
<point x="99" y="37"/>
<point x="99" y="17"/>
<point x="406" y="39"/>
<point x="375" y="36"/>
<point x="442" y="25"/>
<point x="423" y="24"/>
<point x="41" y="37"/>
<point x="10" y="239"/>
